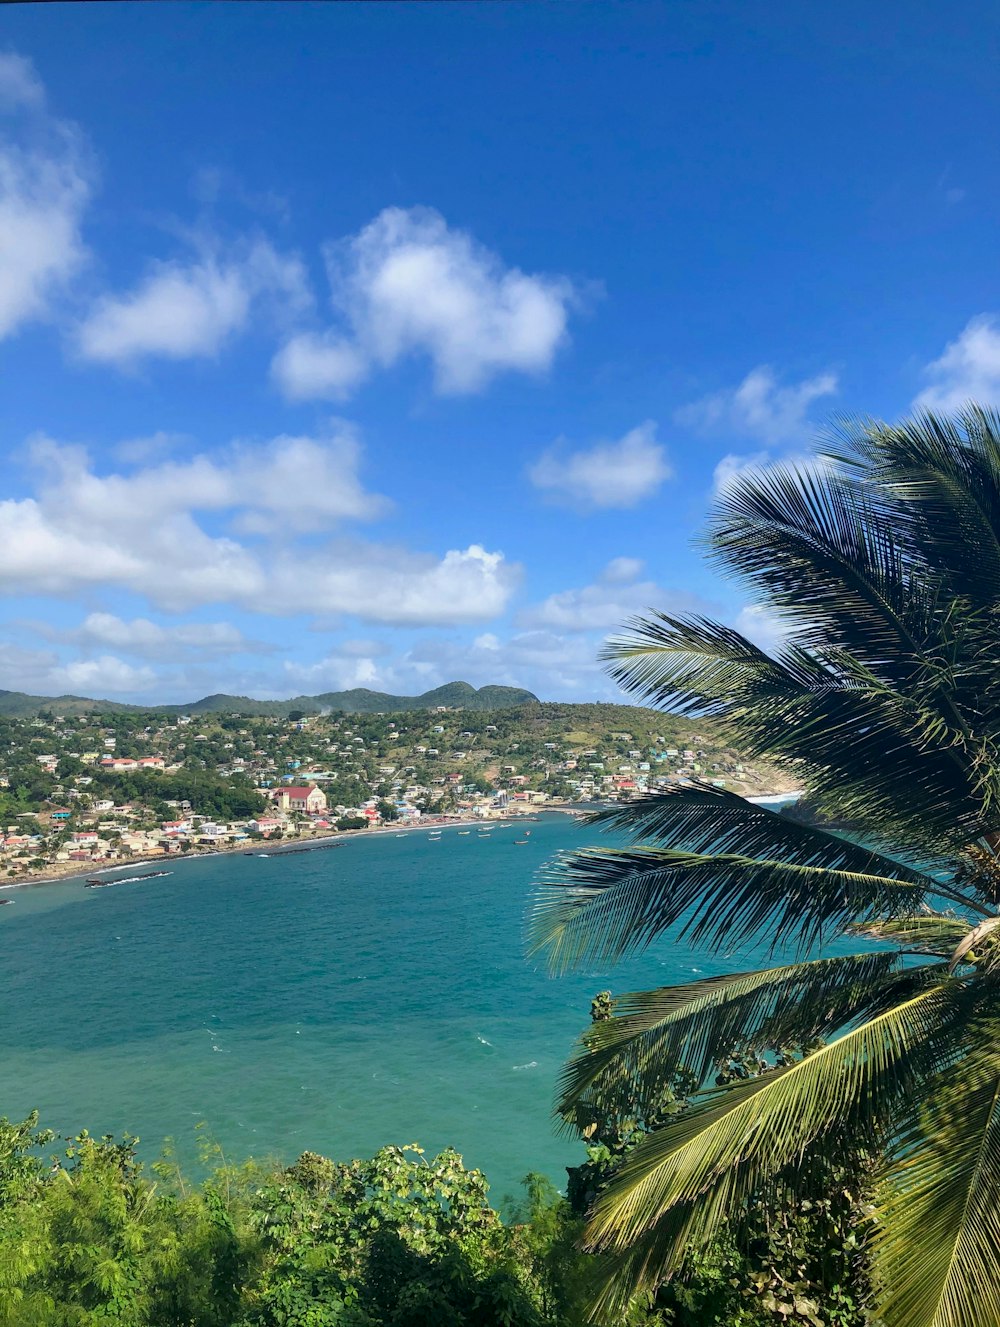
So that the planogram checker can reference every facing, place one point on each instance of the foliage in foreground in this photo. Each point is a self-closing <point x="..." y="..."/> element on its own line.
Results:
<point x="90" y="1238"/>
<point x="395" y="1241"/>
<point x="881" y="568"/>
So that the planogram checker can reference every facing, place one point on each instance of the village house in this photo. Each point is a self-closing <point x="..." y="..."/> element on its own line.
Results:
<point x="311" y="800"/>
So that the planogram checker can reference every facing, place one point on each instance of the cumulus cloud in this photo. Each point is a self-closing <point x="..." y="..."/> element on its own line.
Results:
<point x="407" y="284"/>
<point x="759" y="407"/>
<point x="617" y="595"/>
<point x="181" y="310"/>
<point x="151" y="640"/>
<point x="319" y="367"/>
<point x="45" y="182"/>
<point x="733" y="465"/>
<point x="969" y="369"/>
<point x="609" y="475"/>
<point x="143" y="531"/>
<point x="43" y="672"/>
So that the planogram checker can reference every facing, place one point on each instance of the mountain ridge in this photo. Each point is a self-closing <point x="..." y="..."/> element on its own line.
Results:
<point x="358" y="700"/>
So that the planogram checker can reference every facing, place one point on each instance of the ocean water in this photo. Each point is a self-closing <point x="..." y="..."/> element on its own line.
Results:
<point x="333" y="1001"/>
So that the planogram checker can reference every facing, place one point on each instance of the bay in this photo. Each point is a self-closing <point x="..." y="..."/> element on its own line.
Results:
<point x="332" y="1001"/>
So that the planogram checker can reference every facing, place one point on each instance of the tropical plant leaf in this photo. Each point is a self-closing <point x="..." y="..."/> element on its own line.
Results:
<point x="736" y="1137"/>
<point x="595" y="905"/>
<point x="937" y="1251"/>
<point x="851" y="736"/>
<point x="704" y="818"/>
<point x="929" y="933"/>
<point x="623" y="1060"/>
<point x="810" y="539"/>
<point x="943" y="474"/>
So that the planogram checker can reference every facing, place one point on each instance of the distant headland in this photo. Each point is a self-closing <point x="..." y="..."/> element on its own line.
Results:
<point x="453" y="695"/>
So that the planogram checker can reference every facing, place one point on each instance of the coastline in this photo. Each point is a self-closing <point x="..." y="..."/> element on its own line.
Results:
<point x="59" y="873"/>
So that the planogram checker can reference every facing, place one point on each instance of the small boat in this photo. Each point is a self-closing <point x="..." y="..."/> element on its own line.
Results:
<point x="518" y="842"/>
<point x="461" y="832"/>
<point x="5" y="900"/>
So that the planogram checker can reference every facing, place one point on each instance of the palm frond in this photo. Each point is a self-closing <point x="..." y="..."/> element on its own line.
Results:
<point x="735" y="1137"/>
<point x="944" y="476"/>
<point x="595" y="905"/>
<point x="817" y="550"/>
<point x="623" y="1061"/>
<point x="705" y="818"/>
<point x="929" y="932"/>
<point x="850" y="736"/>
<point x="936" y="1250"/>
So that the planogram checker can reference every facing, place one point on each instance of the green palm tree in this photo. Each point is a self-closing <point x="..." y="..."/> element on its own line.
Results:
<point x="880" y="565"/>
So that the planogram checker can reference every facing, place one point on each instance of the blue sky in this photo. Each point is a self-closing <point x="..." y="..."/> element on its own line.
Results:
<point x="385" y="345"/>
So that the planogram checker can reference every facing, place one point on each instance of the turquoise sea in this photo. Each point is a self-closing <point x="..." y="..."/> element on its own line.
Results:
<point x="332" y="1001"/>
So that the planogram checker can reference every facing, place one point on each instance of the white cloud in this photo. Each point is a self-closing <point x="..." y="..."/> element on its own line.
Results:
<point x="183" y="310"/>
<point x="622" y="571"/>
<point x="393" y="585"/>
<point x="732" y="466"/>
<point x="20" y="85"/>
<point x="759" y="407"/>
<point x="410" y="284"/>
<point x="44" y="188"/>
<point x="42" y="672"/>
<point x="141" y="532"/>
<point x="151" y="640"/>
<point x="299" y="483"/>
<point x="969" y="369"/>
<point x="610" y="475"/>
<point x="99" y="677"/>
<point x="609" y="602"/>
<point x="313" y="367"/>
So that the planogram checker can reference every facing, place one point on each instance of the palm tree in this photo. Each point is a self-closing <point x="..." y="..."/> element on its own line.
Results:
<point x="880" y="564"/>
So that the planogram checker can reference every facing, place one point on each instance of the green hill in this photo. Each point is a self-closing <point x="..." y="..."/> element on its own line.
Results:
<point x="455" y="695"/>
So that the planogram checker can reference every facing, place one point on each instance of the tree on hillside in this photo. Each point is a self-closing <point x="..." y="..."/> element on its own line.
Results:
<point x="880" y="570"/>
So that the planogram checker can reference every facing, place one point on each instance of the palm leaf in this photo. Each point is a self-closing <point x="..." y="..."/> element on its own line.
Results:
<point x="811" y="540"/>
<point x="939" y="1233"/>
<point x="705" y="818"/>
<point x="851" y="736"/>
<point x="624" y="1060"/>
<point x="929" y="933"/>
<point x="734" y="1138"/>
<point x="595" y="905"/>
<point x="944" y="475"/>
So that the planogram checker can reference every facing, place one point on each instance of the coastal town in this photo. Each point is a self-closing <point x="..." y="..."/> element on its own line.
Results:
<point x="79" y="791"/>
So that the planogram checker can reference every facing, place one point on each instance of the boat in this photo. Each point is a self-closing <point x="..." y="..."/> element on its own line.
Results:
<point x="518" y="842"/>
<point x="464" y="831"/>
<point x="5" y="900"/>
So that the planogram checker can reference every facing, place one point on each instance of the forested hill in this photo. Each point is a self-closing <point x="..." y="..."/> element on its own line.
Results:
<point x="455" y="695"/>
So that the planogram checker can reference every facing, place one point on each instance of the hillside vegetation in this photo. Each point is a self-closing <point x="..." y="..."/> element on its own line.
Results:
<point x="454" y="695"/>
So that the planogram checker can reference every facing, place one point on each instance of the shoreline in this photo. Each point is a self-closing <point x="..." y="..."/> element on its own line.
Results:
<point x="60" y="873"/>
